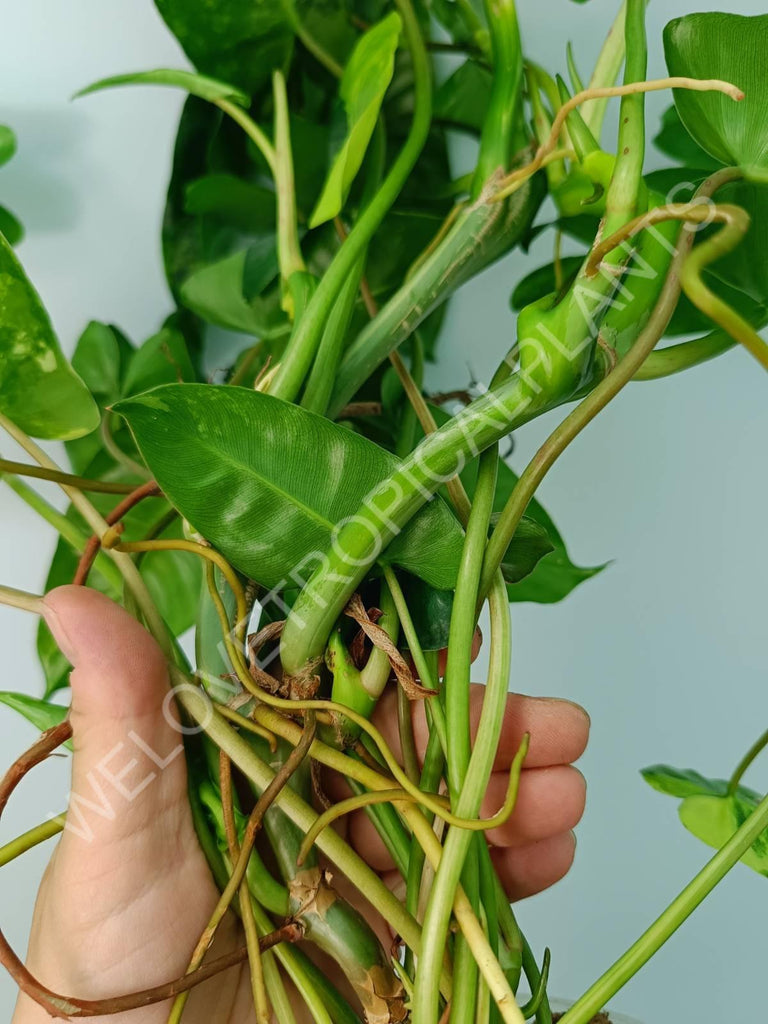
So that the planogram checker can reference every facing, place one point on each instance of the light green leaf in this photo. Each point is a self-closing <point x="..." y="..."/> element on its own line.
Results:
<point x="714" y="819"/>
<point x="97" y="359"/>
<point x="39" y="390"/>
<point x="365" y="80"/>
<point x="39" y="712"/>
<point x="266" y="481"/>
<point x="733" y="48"/>
<point x="7" y="144"/>
<point x="210" y="89"/>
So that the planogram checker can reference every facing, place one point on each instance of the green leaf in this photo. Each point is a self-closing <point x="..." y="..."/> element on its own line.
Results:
<point x="215" y="293"/>
<point x="266" y="481"/>
<point x="39" y="712"/>
<point x="237" y="40"/>
<point x="746" y="267"/>
<point x="730" y="47"/>
<point x="674" y="140"/>
<point x="528" y="546"/>
<point x="98" y="359"/>
<point x="7" y="144"/>
<point x="554" y="575"/>
<point x="39" y="390"/>
<point x="210" y="89"/>
<point x="682" y="782"/>
<point x="431" y="608"/>
<point x="11" y="226"/>
<point x="462" y="99"/>
<point x="162" y="359"/>
<point x="541" y="282"/>
<point x="243" y="204"/>
<point x="365" y="80"/>
<point x="714" y="819"/>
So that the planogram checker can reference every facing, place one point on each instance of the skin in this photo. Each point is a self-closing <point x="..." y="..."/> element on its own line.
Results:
<point x="121" y="909"/>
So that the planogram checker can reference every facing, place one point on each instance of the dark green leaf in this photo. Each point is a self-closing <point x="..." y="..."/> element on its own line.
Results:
<point x="261" y="266"/>
<point x="431" y="608"/>
<point x="7" y="144"/>
<point x="456" y="19"/>
<point x="528" y="546"/>
<point x="99" y="360"/>
<point x="746" y="267"/>
<point x="462" y="100"/>
<point x="730" y="47"/>
<point x="215" y="293"/>
<point x="162" y="359"/>
<point x="365" y="81"/>
<point x="541" y="282"/>
<point x="11" y="226"/>
<point x="210" y="89"/>
<point x="554" y="575"/>
<point x="674" y="140"/>
<point x="682" y="782"/>
<point x="243" y="204"/>
<point x="39" y="712"/>
<point x="237" y="40"/>
<point x="265" y="481"/>
<point x="39" y="390"/>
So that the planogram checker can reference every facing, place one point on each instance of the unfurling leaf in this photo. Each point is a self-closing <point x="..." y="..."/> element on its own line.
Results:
<point x="266" y="482"/>
<point x="39" y="391"/>
<point x="210" y="89"/>
<point x="732" y="48"/>
<point x="363" y="85"/>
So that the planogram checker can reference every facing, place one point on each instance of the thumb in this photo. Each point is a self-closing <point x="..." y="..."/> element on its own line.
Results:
<point x="128" y="770"/>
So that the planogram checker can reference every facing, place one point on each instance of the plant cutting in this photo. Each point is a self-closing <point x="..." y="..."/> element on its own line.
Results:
<point x="330" y="529"/>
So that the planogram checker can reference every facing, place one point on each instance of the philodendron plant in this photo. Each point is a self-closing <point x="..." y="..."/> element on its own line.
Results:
<point x="326" y="524"/>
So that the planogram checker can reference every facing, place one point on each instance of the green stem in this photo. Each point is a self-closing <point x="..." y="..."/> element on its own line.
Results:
<point x="303" y="344"/>
<point x="676" y="358"/>
<point x="448" y="265"/>
<point x="299" y="812"/>
<point x="757" y="748"/>
<point x="670" y="920"/>
<point x="389" y="506"/>
<point x="65" y="528"/>
<point x="96" y="522"/>
<point x="288" y="247"/>
<point x="438" y="912"/>
<point x="25" y="602"/>
<point x="81" y="482"/>
<point x="29" y="840"/>
<point x="504" y="105"/>
<point x="317" y="393"/>
<point x="627" y="182"/>
<point x="538" y="985"/>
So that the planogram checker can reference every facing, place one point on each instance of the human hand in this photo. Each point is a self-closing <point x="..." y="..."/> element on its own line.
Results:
<point x="128" y="891"/>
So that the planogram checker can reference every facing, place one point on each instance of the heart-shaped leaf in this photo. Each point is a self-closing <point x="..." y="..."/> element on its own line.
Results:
<point x="215" y="293"/>
<point x="39" y="390"/>
<point x="733" y="48"/>
<point x="210" y="89"/>
<point x="266" y="482"/>
<point x="682" y="782"/>
<point x="365" y="80"/>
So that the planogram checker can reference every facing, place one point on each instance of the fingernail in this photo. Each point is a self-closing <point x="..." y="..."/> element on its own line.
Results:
<point x="56" y="627"/>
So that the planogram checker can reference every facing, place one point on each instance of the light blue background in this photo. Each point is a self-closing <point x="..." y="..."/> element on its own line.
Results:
<point x="666" y="648"/>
